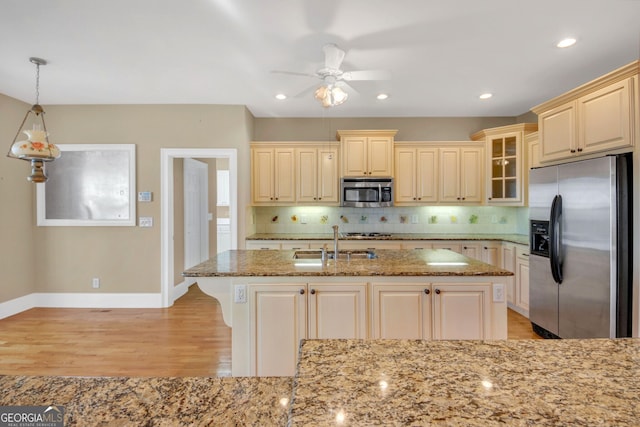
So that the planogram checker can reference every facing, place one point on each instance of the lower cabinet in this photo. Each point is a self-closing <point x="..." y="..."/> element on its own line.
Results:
<point x="431" y="311"/>
<point x="522" y="280"/>
<point x="283" y="314"/>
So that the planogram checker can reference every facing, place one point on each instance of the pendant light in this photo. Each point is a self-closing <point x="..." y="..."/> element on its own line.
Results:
<point x="36" y="148"/>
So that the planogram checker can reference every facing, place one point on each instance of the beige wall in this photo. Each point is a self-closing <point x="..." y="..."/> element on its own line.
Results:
<point x="18" y="261"/>
<point x="409" y="128"/>
<point x="127" y="259"/>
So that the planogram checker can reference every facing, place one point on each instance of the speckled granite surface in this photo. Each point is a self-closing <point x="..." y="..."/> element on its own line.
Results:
<point x="468" y="383"/>
<point x="155" y="401"/>
<point x="421" y="262"/>
<point x="521" y="239"/>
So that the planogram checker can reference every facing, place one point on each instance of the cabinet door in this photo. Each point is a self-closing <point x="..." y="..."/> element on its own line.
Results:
<point x="557" y="131"/>
<point x="277" y="324"/>
<point x="461" y="311"/>
<point x="379" y="156"/>
<point x="505" y="177"/>
<point x="405" y="177"/>
<point x="449" y="175"/>
<point x="605" y="118"/>
<point x="284" y="177"/>
<point x="368" y="244"/>
<point x="337" y="310"/>
<point x="427" y="176"/>
<point x="306" y="175"/>
<point x="328" y="175"/>
<point x="508" y="262"/>
<point x="522" y="280"/>
<point x="471" y="180"/>
<point x="354" y="156"/>
<point x="491" y="254"/>
<point x="472" y="250"/>
<point x="401" y="311"/>
<point x="262" y="244"/>
<point x="262" y="172"/>
<point x="450" y="245"/>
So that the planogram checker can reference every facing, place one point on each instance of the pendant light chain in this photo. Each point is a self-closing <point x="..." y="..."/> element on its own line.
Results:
<point x="37" y="83"/>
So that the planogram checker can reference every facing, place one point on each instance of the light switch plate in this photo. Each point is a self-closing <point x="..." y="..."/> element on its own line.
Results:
<point x="498" y="292"/>
<point x="145" y="196"/>
<point x="240" y="293"/>
<point x="145" y="221"/>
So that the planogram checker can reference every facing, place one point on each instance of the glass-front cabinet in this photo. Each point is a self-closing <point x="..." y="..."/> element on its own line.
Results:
<point x="507" y="166"/>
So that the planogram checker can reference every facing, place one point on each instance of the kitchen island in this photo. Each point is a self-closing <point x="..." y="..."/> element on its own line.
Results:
<point x="272" y="300"/>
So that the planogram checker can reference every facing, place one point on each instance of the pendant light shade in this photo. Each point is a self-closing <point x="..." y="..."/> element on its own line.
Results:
<point x="36" y="148"/>
<point x="331" y="95"/>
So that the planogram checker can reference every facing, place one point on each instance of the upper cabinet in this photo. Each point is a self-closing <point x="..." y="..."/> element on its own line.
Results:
<point x="461" y="174"/>
<point x="317" y="174"/>
<point x="506" y="162"/>
<point x="285" y="173"/>
<point x="367" y="152"/>
<point x="597" y="117"/>
<point x="416" y="174"/>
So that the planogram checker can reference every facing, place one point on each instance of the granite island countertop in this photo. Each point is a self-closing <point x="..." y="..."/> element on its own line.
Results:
<point x="414" y="262"/>
<point x="376" y="382"/>
<point x="467" y="383"/>
<point x="521" y="239"/>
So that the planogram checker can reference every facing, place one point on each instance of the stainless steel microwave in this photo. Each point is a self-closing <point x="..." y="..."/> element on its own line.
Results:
<point x="366" y="192"/>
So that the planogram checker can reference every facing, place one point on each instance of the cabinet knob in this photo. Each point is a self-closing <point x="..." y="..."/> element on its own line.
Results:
<point x="465" y="247"/>
<point x="458" y="198"/>
<point x="438" y="291"/>
<point x="427" y="291"/>
<point x="276" y="198"/>
<point x="301" y="291"/>
<point x="414" y="198"/>
<point x="270" y="198"/>
<point x="486" y="248"/>
<point x="464" y="198"/>
<point x="315" y="198"/>
<point x="319" y="198"/>
<point x="419" y="198"/>
<point x="313" y="291"/>
<point x="579" y="150"/>
<point x="572" y="150"/>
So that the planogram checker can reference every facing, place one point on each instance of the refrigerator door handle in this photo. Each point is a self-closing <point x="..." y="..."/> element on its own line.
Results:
<point x="555" y="244"/>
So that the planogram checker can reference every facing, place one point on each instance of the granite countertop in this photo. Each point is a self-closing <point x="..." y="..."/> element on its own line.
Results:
<point x="413" y="262"/>
<point x="521" y="239"/>
<point x="467" y="383"/>
<point x="374" y="382"/>
<point x="155" y="401"/>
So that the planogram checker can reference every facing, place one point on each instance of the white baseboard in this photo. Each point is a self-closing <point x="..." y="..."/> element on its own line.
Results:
<point x="79" y="300"/>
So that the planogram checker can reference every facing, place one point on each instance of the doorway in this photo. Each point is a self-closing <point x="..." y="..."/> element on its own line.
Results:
<point x="169" y="293"/>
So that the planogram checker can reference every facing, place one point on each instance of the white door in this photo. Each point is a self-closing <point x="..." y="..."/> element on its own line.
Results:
<point x="196" y="202"/>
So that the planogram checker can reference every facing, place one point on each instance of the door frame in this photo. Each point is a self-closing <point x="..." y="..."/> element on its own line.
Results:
<point x="167" y="252"/>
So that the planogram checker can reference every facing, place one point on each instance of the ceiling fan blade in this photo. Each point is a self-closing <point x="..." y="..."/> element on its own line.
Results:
<point x="333" y="56"/>
<point x="294" y="73"/>
<point x="366" y="75"/>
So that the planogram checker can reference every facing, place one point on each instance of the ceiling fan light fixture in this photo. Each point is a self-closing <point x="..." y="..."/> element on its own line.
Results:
<point x="330" y="95"/>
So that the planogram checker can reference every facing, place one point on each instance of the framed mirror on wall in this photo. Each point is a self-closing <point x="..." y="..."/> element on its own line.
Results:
<point x="89" y="185"/>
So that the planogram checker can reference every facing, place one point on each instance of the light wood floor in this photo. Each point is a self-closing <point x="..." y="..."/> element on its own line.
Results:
<point x="188" y="339"/>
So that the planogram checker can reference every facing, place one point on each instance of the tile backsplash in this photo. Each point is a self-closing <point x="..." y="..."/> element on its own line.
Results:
<point x="423" y="219"/>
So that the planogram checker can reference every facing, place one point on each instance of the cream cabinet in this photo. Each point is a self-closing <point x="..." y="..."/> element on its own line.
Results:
<point x="431" y="311"/>
<point x="506" y="163"/>
<point x="401" y="311"/>
<point x="522" y="280"/>
<point x="277" y="323"/>
<point x="450" y="245"/>
<point x="532" y="142"/>
<point x="416" y="174"/>
<point x="280" y="315"/>
<point x="317" y="175"/>
<point x="367" y="152"/>
<point x="461" y="174"/>
<point x="461" y="311"/>
<point x="508" y="262"/>
<point x="273" y="175"/>
<point x="368" y="244"/>
<point x="337" y="310"/>
<point x="597" y="117"/>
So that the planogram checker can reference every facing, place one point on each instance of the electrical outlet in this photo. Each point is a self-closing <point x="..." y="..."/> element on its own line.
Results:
<point x="240" y="293"/>
<point x="95" y="282"/>
<point x="145" y="221"/>
<point x="498" y="292"/>
<point x="414" y="219"/>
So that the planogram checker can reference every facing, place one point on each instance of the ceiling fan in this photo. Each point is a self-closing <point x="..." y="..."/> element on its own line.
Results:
<point x="331" y="93"/>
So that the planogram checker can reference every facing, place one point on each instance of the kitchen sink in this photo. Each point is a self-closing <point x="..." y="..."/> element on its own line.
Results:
<point x="344" y="254"/>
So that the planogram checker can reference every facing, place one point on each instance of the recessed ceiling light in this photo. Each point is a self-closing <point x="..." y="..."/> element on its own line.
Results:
<point x="566" y="42"/>
<point x="382" y="96"/>
<point x="281" y="96"/>
<point x="486" y="95"/>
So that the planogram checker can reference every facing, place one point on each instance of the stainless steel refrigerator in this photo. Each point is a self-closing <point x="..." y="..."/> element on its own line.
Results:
<point x="580" y="248"/>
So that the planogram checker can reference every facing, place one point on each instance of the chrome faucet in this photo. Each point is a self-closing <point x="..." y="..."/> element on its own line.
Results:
<point x="335" y="242"/>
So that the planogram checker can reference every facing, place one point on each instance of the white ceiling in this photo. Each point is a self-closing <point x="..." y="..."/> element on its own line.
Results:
<point x="442" y="54"/>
